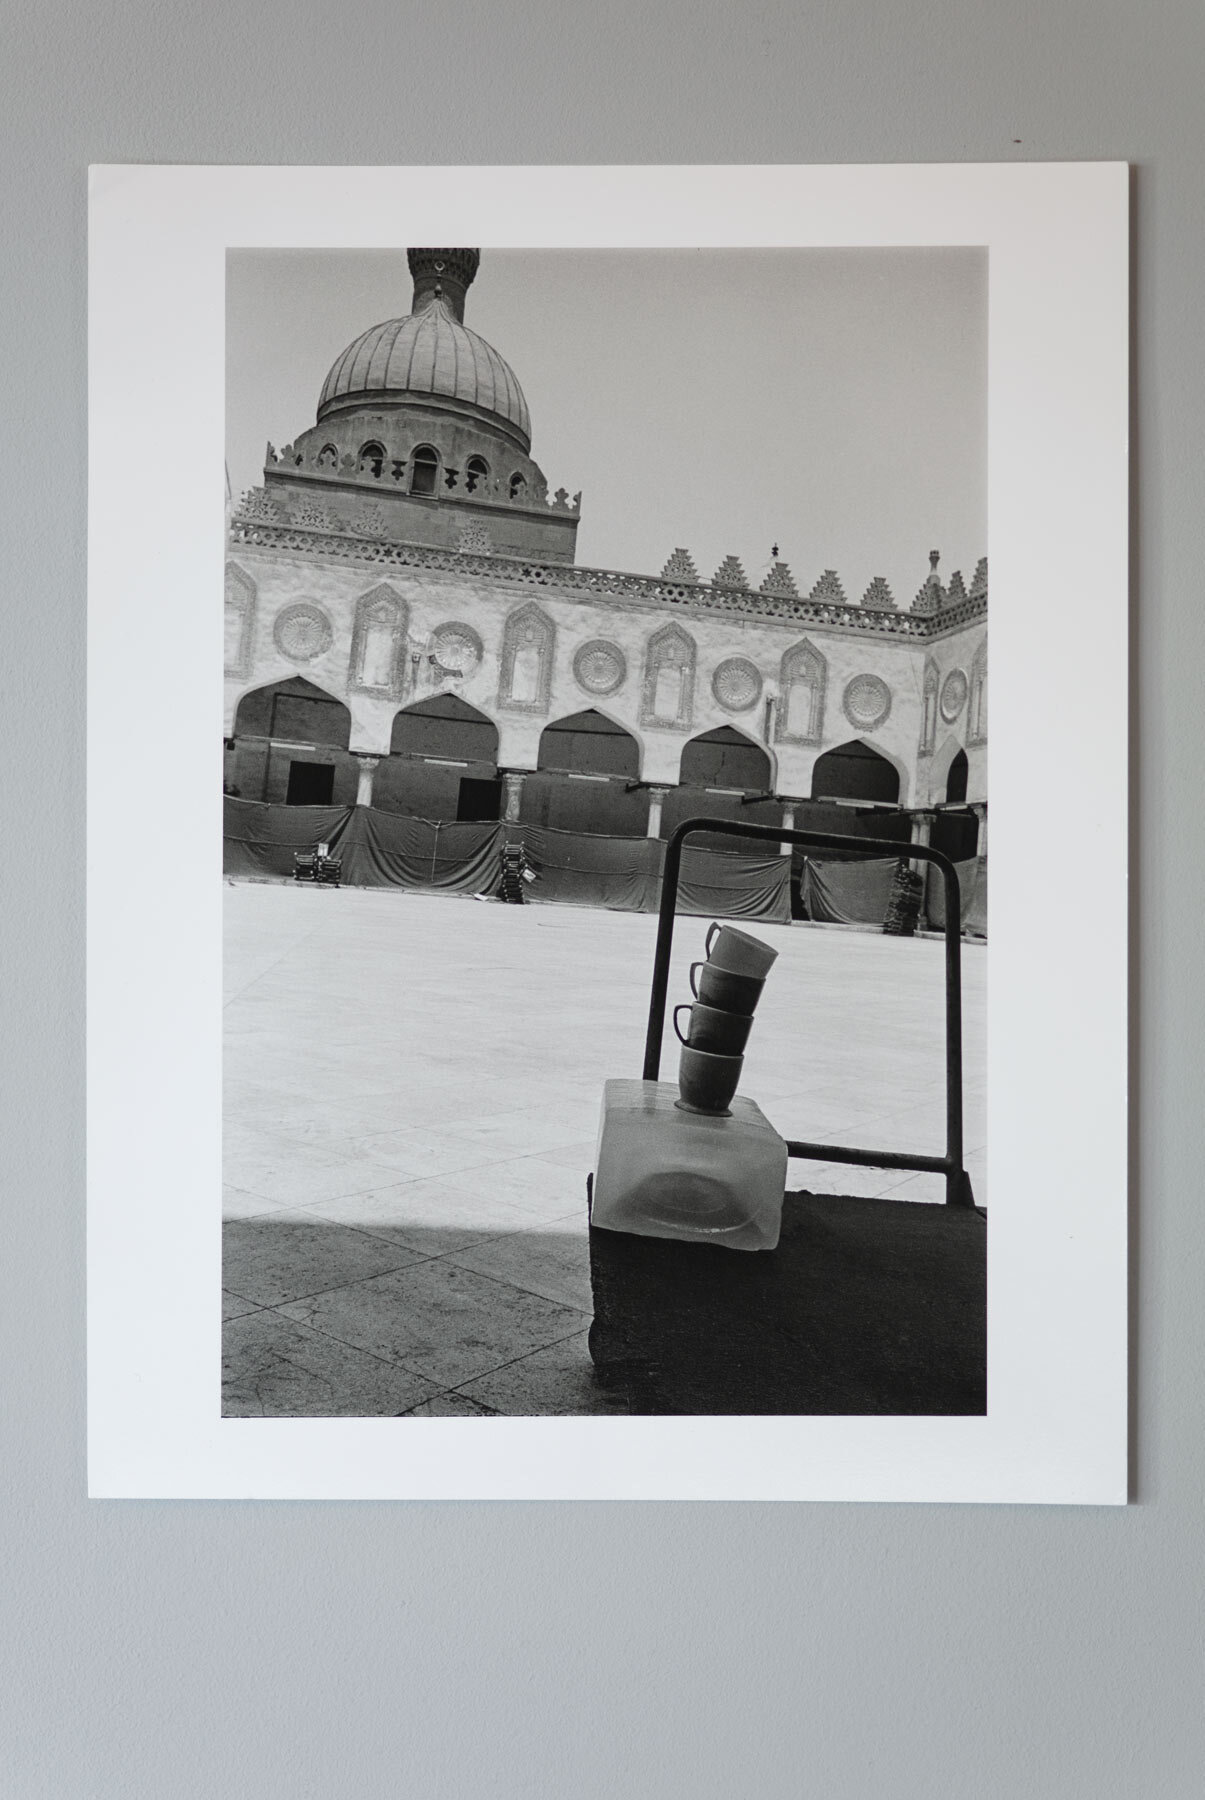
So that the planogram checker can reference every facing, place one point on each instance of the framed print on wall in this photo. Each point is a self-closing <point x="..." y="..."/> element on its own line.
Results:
<point x="451" y="585"/>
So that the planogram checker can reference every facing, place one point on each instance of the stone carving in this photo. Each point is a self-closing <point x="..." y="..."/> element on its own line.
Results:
<point x="780" y="581"/>
<point x="257" y="503"/>
<point x="866" y="702"/>
<point x="803" y="679"/>
<point x="302" y="632"/>
<point x="979" y="580"/>
<point x="600" y="667"/>
<point x="932" y="596"/>
<point x="680" y="567"/>
<point x="730" y="574"/>
<point x="370" y="521"/>
<point x="879" y="596"/>
<point x="312" y="516"/>
<point x="737" y="684"/>
<point x="667" y="698"/>
<point x="828" y="590"/>
<point x="240" y="619"/>
<point x="977" y="711"/>
<point x="457" y="651"/>
<point x="953" y="695"/>
<point x="928" y="729"/>
<point x="474" y="539"/>
<point x="956" y="591"/>
<point x="378" y="643"/>
<point x="528" y="644"/>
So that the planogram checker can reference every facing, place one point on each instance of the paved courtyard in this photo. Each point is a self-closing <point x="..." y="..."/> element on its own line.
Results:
<point x="412" y="1093"/>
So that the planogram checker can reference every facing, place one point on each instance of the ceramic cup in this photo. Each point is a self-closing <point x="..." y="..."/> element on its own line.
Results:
<point x="739" y="953"/>
<point x="711" y="1028"/>
<point x="706" y="1082"/>
<point x="720" y="988"/>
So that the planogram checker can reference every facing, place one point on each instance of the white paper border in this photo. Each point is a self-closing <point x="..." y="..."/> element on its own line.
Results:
<point x="1057" y="237"/>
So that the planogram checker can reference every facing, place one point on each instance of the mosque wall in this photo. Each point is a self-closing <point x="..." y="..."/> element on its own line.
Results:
<point x="379" y="639"/>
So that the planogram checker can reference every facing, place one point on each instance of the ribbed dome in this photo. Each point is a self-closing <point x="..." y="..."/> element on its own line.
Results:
<point x="429" y="352"/>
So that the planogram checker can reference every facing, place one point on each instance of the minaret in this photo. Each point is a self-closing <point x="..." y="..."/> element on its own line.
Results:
<point x="446" y="274"/>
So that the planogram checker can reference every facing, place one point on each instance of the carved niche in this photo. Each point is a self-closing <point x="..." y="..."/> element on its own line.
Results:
<point x="600" y="667"/>
<point x="240" y="619"/>
<point x="528" y="646"/>
<point x="736" y="684"/>
<point x="803" y="678"/>
<point x="866" y="702"/>
<point x="977" y="712"/>
<point x="303" y="631"/>
<point x="953" y="695"/>
<point x="669" y="679"/>
<point x="928" y="727"/>
<point x="378" y="644"/>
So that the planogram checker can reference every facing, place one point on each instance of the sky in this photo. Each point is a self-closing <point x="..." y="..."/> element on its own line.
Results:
<point x="831" y="401"/>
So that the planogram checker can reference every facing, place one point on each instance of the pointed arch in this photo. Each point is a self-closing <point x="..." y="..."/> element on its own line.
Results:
<point x="296" y="711"/>
<point x="856" y="771"/>
<point x="240" y="619"/>
<point x="668" y="694"/>
<point x="589" y="743"/>
<point x="528" y="648"/>
<point x="726" y="758"/>
<point x="378" y="643"/>
<point x="444" y="727"/>
<point x="977" y="700"/>
<point x="802" y="681"/>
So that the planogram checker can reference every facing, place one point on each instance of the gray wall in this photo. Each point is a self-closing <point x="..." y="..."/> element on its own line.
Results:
<point x="580" y="1651"/>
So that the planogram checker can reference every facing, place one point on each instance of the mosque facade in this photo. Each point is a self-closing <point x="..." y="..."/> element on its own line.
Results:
<point x="407" y="628"/>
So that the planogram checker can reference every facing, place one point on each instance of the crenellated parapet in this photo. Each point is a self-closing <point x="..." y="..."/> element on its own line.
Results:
<point x="260" y="522"/>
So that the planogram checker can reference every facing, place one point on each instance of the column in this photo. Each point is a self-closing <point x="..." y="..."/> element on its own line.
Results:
<point x="366" y="766"/>
<point x="788" y="824"/>
<point x="922" y="825"/>
<point x="980" y="811"/>
<point x="656" y="800"/>
<point x="513" y="779"/>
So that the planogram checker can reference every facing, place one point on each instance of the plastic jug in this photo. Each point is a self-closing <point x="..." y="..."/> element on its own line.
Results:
<point x="661" y="1172"/>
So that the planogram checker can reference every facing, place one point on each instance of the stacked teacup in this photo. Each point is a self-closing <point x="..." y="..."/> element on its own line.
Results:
<point x="727" y="988"/>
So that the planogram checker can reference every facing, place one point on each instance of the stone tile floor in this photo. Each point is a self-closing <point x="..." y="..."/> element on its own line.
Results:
<point x="412" y="1093"/>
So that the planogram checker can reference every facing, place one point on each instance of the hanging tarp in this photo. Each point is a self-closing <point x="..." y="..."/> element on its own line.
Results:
<point x="260" y="839"/>
<point x="584" y="869"/>
<point x="856" y="892"/>
<point x="719" y="885"/>
<point x="972" y="881"/>
<point x="382" y="849"/>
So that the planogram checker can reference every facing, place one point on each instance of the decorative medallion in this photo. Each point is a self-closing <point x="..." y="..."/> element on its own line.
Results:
<point x="953" y="695"/>
<point x="302" y="632"/>
<point x="474" y="539"/>
<point x="457" y="650"/>
<point x="599" y="667"/>
<point x="736" y="684"/>
<point x="867" y="702"/>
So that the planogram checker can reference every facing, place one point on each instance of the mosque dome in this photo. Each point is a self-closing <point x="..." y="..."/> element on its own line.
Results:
<point x="430" y="355"/>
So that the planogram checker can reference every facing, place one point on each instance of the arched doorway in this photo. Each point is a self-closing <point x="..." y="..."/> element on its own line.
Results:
<point x="719" y="773"/>
<point x="726" y="759"/>
<point x="290" y="744"/>
<point x="586" y="778"/>
<point x="855" y="771"/>
<point x="442" y="763"/>
<point x="956" y="780"/>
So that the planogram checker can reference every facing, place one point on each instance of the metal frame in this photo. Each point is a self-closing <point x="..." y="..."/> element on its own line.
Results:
<point x="958" y="1183"/>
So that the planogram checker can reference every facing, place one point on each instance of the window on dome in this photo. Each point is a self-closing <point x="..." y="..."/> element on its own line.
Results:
<point x="518" y="486"/>
<point x="476" y="472"/>
<point x="372" y="459"/>
<point x="424" y="470"/>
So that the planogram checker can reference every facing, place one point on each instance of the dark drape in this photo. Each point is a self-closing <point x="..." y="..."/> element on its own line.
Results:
<point x="847" y="893"/>
<point x="972" y="881"/>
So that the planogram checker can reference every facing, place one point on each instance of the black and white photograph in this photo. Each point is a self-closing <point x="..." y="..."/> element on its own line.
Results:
<point x="535" y="1104"/>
